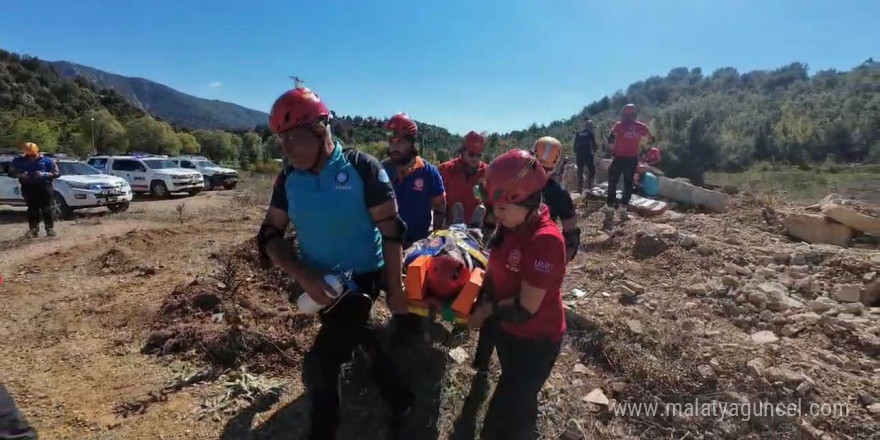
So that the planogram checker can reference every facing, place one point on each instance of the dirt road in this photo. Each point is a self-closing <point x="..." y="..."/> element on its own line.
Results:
<point x="105" y="335"/>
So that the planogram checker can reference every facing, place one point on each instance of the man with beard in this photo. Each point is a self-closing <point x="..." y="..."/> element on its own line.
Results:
<point x="461" y="174"/>
<point x="421" y="196"/>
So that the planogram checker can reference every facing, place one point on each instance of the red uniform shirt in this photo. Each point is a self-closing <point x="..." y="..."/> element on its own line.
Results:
<point x="460" y="186"/>
<point x="535" y="253"/>
<point x="627" y="137"/>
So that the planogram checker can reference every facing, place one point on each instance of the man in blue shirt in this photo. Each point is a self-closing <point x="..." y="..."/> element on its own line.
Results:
<point x="421" y="197"/>
<point x="343" y="207"/>
<point x="35" y="173"/>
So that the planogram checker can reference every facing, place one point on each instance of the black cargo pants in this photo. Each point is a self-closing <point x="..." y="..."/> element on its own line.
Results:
<point x="344" y="328"/>
<point x="38" y="198"/>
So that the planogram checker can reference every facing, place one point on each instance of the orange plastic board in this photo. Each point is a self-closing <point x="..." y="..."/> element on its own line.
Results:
<point x="468" y="296"/>
<point x="415" y="278"/>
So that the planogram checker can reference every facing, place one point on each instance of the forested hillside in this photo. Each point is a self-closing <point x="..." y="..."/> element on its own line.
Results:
<point x="164" y="102"/>
<point x="723" y="121"/>
<point x="728" y="120"/>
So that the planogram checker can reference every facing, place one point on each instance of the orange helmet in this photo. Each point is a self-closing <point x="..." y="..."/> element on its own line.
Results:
<point x="30" y="149"/>
<point x="548" y="150"/>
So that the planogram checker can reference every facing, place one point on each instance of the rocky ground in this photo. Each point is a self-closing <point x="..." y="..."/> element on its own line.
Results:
<point x="176" y="330"/>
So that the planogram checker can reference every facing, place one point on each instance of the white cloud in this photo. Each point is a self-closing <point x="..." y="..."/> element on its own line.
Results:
<point x="215" y="84"/>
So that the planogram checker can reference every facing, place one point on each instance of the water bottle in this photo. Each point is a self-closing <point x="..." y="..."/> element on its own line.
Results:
<point x="308" y="306"/>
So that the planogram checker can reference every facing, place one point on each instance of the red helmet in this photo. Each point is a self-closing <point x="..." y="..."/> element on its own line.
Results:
<point x="514" y="176"/>
<point x="653" y="156"/>
<point x="401" y="125"/>
<point x="296" y="108"/>
<point x="474" y="142"/>
<point x="446" y="276"/>
<point x="629" y="110"/>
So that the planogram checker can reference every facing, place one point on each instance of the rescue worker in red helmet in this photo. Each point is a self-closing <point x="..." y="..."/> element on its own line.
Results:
<point x="461" y="174"/>
<point x="626" y="139"/>
<point x="522" y="293"/>
<point x="548" y="151"/>
<point x="343" y="206"/>
<point x="421" y="195"/>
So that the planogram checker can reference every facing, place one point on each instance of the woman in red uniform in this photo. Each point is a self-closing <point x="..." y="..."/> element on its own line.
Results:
<point x="522" y="293"/>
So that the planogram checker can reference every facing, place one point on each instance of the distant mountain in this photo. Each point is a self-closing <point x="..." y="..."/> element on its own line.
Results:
<point x="166" y="103"/>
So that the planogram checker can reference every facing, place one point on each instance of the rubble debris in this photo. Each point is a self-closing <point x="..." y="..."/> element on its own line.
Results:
<point x="597" y="396"/>
<point x="817" y="229"/>
<point x="849" y="293"/>
<point x="648" y="244"/>
<point x="764" y="337"/>
<point x="852" y="218"/>
<point x="682" y="191"/>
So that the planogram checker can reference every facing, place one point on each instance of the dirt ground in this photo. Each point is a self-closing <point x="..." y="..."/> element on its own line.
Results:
<point x="161" y="323"/>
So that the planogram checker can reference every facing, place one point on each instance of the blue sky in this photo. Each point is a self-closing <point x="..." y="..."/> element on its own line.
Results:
<point x="485" y="65"/>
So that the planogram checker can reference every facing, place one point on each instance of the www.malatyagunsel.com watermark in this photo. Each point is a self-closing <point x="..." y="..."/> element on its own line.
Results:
<point x="722" y="410"/>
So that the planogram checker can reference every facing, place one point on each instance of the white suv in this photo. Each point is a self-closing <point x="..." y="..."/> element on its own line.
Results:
<point x="215" y="176"/>
<point x="80" y="186"/>
<point x="155" y="175"/>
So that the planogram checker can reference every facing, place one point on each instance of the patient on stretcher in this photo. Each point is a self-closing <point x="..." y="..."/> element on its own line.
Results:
<point x="444" y="272"/>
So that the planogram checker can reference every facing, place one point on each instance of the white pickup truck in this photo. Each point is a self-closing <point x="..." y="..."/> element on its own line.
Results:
<point x="80" y="186"/>
<point x="155" y="175"/>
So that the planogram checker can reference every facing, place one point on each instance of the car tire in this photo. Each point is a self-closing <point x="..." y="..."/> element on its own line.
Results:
<point x="60" y="209"/>
<point x="159" y="190"/>
<point x="119" y="207"/>
<point x="209" y="183"/>
<point x="230" y="186"/>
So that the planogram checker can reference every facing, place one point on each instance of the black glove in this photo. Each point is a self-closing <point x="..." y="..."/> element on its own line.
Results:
<point x="406" y="328"/>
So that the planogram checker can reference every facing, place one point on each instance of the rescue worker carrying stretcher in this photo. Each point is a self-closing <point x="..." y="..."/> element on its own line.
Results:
<point x="343" y="207"/>
<point x="521" y="298"/>
<point x="421" y="195"/>
<point x="548" y="151"/>
<point x="461" y="174"/>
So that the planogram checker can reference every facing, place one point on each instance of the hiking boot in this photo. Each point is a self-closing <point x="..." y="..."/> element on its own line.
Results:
<point x="608" y="222"/>
<point x="50" y="232"/>
<point x="457" y="213"/>
<point x="25" y="434"/>
<point x="478" y="216"/>
<point x="32" y="233"/>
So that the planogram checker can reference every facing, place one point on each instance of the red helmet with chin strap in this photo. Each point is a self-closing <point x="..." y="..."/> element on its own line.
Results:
<point x="401" y="125"/>
<point x="474" y="142"/>
<point x="296" y="108"/>
<point x="513" y="177"/>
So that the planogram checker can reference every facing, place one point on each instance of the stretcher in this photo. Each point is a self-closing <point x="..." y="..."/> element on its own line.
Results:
<point x="444" y="273"/>
<point x="642" y="205"/>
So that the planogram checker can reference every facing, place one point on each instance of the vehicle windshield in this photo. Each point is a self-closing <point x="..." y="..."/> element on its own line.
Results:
<point x="206" y="164"/>
<point x="160" y="164"/>
<point x="76" y="169"/>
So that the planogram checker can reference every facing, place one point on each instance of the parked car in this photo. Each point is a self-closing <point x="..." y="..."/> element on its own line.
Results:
<point x="213" y="174"/>
<point x="154" y="175"/>
<point x="79" y="186"/>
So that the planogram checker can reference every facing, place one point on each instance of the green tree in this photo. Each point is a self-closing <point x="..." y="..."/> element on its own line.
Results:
<point x="43" y="133"/>
<point x="234" y="146"/>
<point x="109" y="135"/>
<point x="251" y="148"/>
<point x="188" y="143"/>
<point x="148" y="135"/>
<point x="215" y="144"/>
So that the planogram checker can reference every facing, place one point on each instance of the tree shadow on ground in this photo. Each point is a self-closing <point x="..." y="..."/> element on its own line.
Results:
<point x="365" y="416"/>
